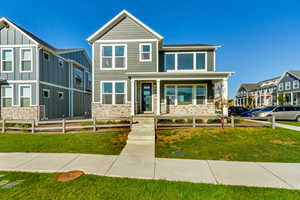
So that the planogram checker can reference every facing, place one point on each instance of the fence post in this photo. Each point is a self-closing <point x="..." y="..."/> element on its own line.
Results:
<point x="3" y="126"/>
<point x="32" y="126"/>
<point x="63" y="126"/>
<point x="273" y="122"/>
<point x="194" y="122"/>
<point x="155" y="122"/>
<point x="94" y="125"/>
<point x="131" y="121"/>
<point x="232" y="121"/>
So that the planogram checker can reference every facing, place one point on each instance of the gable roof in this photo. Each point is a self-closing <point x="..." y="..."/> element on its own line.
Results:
<point x="295" y="73"/>
<point x="72" y="50"/>
<point x="34" y="38"/>
<point x="117" y="19"/>
<point x="249" y="86"/>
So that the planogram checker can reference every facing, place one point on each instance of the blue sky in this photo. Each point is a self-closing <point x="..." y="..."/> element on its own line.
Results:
<point x="260" y="39"/>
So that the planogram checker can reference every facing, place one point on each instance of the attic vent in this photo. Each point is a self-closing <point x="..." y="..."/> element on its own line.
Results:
<point x="6" y="25"/>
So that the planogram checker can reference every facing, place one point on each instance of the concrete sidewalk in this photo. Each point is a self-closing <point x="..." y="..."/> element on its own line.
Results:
<point x="295" y="128"/>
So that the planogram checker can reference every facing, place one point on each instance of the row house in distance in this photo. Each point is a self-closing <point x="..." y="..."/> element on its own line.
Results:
<point x="289" y="87"/>
<point x="39" y="81"/>
<point x="134" y="72"/>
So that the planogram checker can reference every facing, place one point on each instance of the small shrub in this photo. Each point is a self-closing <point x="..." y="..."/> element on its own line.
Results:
<point x="199" y="121"/>
<point x="214" y="121"/>
<point x="180" y="121"/>
<point x="165" y="121"/>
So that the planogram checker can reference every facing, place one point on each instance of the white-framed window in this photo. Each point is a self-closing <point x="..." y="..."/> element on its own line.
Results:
<point x="280" y="86"/>
<point x="113" y="92"/>
<point x="185" y="61"/>
<point x="287" y="85"/>
<point x="46" y="55"/>
<point x="46" y="93"/>
<point x="296" y="84"/>
<point x="145" y="51"/>
<point x="25" y="95"/>
<point x="7" y="95"/>
<point x="113" y="56"/>
<point x="185" y="94"/>
<point x="7" y="60"/>
<point x="26" y="60"/>
<point x="60" y="95"/>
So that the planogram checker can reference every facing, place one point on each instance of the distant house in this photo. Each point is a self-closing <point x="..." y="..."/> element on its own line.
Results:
<point x="136" y="73"/>
<point x="288" y="85"/>
<point x="39" y="81"/>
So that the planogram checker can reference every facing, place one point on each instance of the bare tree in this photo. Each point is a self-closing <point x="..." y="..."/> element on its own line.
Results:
<point x="221" y="102"/>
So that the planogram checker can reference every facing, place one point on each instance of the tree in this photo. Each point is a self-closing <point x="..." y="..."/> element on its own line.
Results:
<point x="281" y="99"/>
<point x="221" y="102"/>
<point x="250" y="102"/>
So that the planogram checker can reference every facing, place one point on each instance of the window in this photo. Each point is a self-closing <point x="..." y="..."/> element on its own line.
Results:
<point x="46" y="56"/>
<point x="287" y="85"/>
<point x="7" y="61"/>
<point x="185" y="61"/>
<point x="170" y="95"/>
<point x="78" y="76"/>
<point x="200" y="94"/>
<point x="25" y="95"/>
<point x="185" y="95"/>
<point x="46" y="93"/>
<point x="88" y="79"/>
<point x="145" y="52"/>
<point x="60" y="63"/>
<point x="7" y="96"/>
<point x="60" y="95"/>
<point x="295" y="84"/>
<point x="113" y="92"/>
<point x="26" y="60"/>
<point x="113" y="56"/>
<point x="280" y="86"/>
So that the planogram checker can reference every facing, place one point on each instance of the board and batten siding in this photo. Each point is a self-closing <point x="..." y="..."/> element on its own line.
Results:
<point x="288" y="78"/>
<point x="11" y="36"/>
<point x="79" y="57"/>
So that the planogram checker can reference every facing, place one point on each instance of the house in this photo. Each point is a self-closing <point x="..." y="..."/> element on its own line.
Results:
<point x="243" y="93"/>
<point x="134" y="72"/>
<point x="288" y="86"/>
<point x="39" y="81"/>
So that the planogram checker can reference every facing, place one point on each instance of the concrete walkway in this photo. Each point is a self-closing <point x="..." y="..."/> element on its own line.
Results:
<point x="295" y="128"/>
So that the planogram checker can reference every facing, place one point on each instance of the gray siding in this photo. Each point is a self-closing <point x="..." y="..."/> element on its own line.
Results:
<point x="288" y="78"/>
<point x="82" y="104"/>
<point x="127" y="29"/>
<point x="76" y="84"/>
<point x="11" y="36"/>
<point x="78" y="57"/>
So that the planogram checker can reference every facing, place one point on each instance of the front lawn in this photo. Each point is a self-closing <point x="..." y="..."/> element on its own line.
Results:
<point x="45" y="187"/>
<point x="293" y="123"/>
<point x="109" y="143"/>
<point x="236" y="144"/>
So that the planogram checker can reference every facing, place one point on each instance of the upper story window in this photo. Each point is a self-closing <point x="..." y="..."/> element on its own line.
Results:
<point x="60" y="95"/>
<point x="26" y="60"/>
<point x="113" y="57"/>
<point x="78" y="76"/>
<point x="185" y="61"/>
<point x="7" y="96"/>
<point x="280" y="86"/>
<point x="295" y="84"/>
<point x="46" y="56"/>
<point x="46" y="93"/>
<point x="287" y="85"/>
<point x="113" y="92"/>
<point x="7" y="60"/>
<point x="25" y="95"/>
<point x="89" y="79"/>
<point x="145" y="52"/>
<point x="60" y="62"/>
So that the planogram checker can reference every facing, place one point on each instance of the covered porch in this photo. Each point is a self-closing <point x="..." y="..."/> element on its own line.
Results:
<point x="175" y="93"/>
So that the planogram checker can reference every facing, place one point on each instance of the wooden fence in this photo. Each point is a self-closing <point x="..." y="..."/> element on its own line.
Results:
<point x="193" y="121"/>
<point x="64" y="125"/>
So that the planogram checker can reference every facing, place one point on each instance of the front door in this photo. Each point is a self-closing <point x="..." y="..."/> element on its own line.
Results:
<point x="146" y="97"/>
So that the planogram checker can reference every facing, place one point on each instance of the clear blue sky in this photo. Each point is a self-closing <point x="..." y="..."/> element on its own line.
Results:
<point x="260" y="39"/>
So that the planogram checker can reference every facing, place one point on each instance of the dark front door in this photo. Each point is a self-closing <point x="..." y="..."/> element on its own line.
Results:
<point x="146" y="97"/>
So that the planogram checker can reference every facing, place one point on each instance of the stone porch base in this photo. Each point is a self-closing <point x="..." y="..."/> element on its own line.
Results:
<point x="22" y="113"/>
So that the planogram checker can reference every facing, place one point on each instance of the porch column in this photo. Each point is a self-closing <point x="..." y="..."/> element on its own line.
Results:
<point x="225" y="96"/>
<point x="132" y="97"/>
<point x="292" y="98"/>
<point x="158" y="97"/>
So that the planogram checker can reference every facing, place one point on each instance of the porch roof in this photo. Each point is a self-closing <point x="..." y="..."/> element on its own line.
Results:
<point x="180" y="75"/>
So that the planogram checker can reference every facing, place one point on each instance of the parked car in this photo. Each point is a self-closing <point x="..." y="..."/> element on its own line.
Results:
<point x="280" y="112"/>
<point x="237" y="110"/>
<point x="250" y="112"/>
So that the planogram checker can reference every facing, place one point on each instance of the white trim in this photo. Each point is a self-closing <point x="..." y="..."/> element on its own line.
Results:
<point x="113" y="57"/>
<point x="63" y="87"/>
<point x="113" y="82"/>
<point x="180" y="78"/>
<point x="128" y="40"/>
<point x="157" y="57"/>
<point x="117" y="17"/>
<point x="214" y="54"/>
<point x="18" y="45"/>
<point x="12" y="94"/>
<point x="37" y="87"/>
<point x="194" y="62"/>
<point x="287" y="85"/>
<point x="30" y="96"/>
<point x="158" y="97"/>
<point x="13" y="62"/>
<point x="21" y="59"/>
<point x="46" y="90"/>
<point x="297" y="84"/>
<point x="132" y="99"/>
<point x="141" y="52"/>
<point x="93" y="71"/>
<point x="21" y="81"/>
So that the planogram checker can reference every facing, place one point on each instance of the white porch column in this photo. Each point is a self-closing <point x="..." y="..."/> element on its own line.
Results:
<point x="225" y="96"/>
<point x="158" y="97"/>
<point x="292" y="98"/>
<point x="132" y="97"/>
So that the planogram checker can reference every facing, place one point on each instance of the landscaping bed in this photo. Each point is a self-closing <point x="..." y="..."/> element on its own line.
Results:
<point x="109" y="143"/>
<point x="233" y="144"/>
<point x="45" y="186"/>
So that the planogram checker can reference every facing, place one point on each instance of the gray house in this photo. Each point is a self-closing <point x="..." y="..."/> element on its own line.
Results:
<point x="134" y="72"/>
<point x="39" y="81"/>
<point x="288" y="85"/>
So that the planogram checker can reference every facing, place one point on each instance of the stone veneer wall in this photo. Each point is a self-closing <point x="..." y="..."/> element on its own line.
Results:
<point x="208" y="109"/>
<point x="21" y="113"/>
<point x="106" y="110"/>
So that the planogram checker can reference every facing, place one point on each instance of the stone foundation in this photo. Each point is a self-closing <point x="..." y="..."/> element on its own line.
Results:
<point x="21" y="113"/>
<point x="208" y="109"/>
<point x="106" y="110"/>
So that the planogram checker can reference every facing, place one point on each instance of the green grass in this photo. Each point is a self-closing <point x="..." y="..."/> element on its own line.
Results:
<point x="89" y="187"/>
<point x="236" y="144"/>
<point x="293" y="123"/>
<point x="109" y="143"/>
